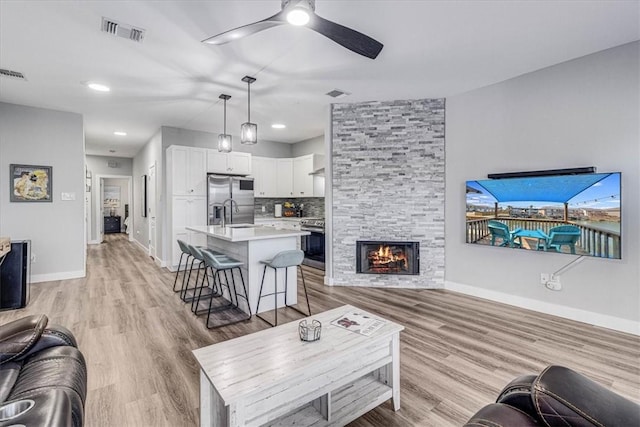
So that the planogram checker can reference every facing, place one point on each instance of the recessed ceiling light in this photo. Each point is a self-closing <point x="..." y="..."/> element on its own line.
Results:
<point x="120" y="133"/>
<point x="98" y="87"/>
<point x="278" y="126"/>
<point x="112" y="151"/>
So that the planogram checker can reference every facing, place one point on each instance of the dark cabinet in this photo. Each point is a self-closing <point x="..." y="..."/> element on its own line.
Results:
<point x="111" y="224"/>
<point x="15" y="275"/>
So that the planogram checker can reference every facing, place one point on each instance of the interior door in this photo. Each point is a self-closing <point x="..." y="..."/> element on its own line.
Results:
<point x="151" y="209"/>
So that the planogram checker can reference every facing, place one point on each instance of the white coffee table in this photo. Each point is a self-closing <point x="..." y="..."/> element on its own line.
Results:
<point x="273" y="378"/>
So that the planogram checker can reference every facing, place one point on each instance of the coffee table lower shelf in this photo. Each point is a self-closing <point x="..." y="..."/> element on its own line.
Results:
<point x="344" y="405"/>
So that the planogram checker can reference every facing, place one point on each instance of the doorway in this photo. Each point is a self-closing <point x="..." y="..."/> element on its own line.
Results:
<point x="113" y="207"/>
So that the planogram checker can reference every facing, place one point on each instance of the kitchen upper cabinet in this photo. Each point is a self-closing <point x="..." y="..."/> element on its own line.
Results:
<point x="233" y="163"/>
<point x="302" y="180"/>
<point x="187" y="170"/>
<point x="284" y="177"/>
<point x="288" y="177"/>
<point x="264" y="174"/>
<point x="305" y="183"/>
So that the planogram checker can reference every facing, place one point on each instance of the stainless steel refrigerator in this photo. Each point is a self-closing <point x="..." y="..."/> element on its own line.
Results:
<point x="223" y="187"/>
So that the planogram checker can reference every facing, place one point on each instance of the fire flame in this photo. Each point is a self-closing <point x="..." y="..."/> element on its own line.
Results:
<point x="384" y="256"/>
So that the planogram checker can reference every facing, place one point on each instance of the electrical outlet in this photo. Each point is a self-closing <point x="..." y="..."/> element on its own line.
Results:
<point x="544" y="278"/>
<point x="554" y="283"/>
<point x="264" y="209"/>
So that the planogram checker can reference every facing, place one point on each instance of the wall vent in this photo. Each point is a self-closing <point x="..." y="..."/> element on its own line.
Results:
<point x="337" y="93"/>
<point x="12" y="74"/>
<point x="125" y="31"/>
<point x="113" y="165"/>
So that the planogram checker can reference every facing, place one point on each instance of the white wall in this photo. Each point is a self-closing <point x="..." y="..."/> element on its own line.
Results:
<point x="308" y="146"/>
<point x="150" y="153"/>
<point x="37" y="136"/>
<point x="579" y="113"/>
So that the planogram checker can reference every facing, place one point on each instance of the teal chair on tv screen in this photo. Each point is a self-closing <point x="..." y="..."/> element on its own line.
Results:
<point x="501" y="231"/>
<point x="562" y="235"/>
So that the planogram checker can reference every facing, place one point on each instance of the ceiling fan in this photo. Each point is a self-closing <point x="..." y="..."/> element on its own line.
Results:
<point x="302" y="13"/>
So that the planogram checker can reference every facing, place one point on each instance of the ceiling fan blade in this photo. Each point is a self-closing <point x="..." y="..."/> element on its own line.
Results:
<point x="351" y="39"/>
<point x="246" y="30"/>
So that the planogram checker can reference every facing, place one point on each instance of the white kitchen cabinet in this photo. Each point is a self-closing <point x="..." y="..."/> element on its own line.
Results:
<point x="288" y="177"/>
<point x="233" y="163"/>
<point x="264" y="174"/>
<point x="186" y="211"/>
<point x="187" y="168"/>
<point x="284" y="177"/>
<point x="304" y="183"/>
<point x="186" y="197"/>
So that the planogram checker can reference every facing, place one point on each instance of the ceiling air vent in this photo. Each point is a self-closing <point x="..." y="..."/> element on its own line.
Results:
<point x="12" y="74"/>
<point x="337" y="93"/>
<point x="125" y="31"/>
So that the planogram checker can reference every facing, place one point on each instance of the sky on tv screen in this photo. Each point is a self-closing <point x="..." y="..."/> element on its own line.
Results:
<point x="591" y="191"/>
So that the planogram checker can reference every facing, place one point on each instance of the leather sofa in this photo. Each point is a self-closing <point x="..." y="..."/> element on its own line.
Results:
<point x="43" y="376"/>
<point x="558" y="396"/>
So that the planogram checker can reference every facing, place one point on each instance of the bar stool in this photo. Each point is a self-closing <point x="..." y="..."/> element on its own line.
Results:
<point x="185" y="251"/>
<point x="284" y="259"/>
<point x="188" y="294"/>
<point x="221" y="265"/>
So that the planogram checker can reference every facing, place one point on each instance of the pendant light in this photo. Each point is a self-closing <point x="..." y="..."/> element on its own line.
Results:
<point x="248" y="130"/>
<point x="224" y="140"/>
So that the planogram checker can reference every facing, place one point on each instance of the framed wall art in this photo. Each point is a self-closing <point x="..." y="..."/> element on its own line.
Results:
<point x="143" y="196"/>
<point x="30" y="183"/>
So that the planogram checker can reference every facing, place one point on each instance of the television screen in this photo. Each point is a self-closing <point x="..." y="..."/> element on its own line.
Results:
<point x="572" y="214"/>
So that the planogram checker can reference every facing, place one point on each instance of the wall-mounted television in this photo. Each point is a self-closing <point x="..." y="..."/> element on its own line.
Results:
<point x="570" y="214"/>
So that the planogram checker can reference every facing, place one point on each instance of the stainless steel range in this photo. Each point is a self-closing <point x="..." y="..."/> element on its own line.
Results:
<point x="313" y="245"/>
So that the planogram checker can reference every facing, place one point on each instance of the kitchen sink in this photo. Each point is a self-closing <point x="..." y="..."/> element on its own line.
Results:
<point x="242" y="225"/>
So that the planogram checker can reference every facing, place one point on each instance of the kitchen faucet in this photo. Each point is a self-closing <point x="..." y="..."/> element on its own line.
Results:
<point x="222" y="221"/>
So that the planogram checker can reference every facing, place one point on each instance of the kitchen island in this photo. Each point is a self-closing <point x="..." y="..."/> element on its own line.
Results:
<point x="251" y="244"/>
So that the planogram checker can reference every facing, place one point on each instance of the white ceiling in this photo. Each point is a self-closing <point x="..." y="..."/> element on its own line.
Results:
<point x="431" y="49"/>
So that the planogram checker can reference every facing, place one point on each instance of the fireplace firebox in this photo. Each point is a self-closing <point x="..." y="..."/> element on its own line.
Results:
<point x="387" y="257"/>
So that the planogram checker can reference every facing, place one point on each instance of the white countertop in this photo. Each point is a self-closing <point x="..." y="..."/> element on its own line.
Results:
<point x="233" y="233"/>
<point x="283" y="218"/>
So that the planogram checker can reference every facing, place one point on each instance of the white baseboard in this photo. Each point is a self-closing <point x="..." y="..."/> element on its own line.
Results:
<point x="589" y="317"/>
<point x="141" y="246"/>
<point x="93" y="242"/>
<point x="64" y="275"/>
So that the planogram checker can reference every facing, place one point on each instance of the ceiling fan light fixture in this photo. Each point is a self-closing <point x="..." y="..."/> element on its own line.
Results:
<point x="248" y="130"/>
<point x="224" y="139"/>
<point x="298" y="16"/>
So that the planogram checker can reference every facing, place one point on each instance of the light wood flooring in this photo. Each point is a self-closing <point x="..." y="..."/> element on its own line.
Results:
<point x="457" y="352"/>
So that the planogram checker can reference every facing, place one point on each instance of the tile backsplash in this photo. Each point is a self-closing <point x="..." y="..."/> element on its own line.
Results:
<point x="313" y="206"/>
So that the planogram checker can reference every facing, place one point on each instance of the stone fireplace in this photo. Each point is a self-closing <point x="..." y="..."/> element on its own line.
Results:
<point x="387" y="184"/>
<point x="380" y="257"/>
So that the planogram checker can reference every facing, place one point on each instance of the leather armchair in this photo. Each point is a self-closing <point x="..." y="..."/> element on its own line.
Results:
<point x="43" y="376"/>
<point x="558" y="396"/>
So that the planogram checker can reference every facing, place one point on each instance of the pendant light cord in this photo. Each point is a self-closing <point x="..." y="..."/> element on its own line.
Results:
<point x="249" y="101"/>
<point x="224" y="127"/>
